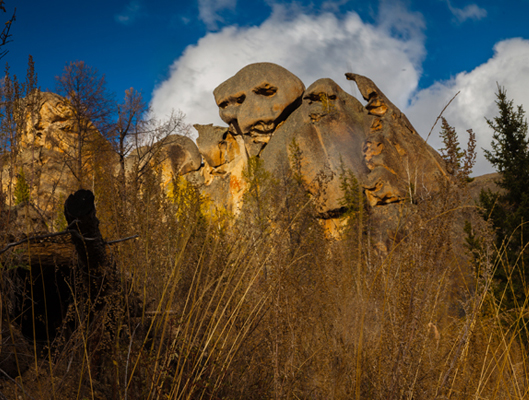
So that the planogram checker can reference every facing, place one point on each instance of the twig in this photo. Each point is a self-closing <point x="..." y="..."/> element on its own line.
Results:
<point x="5" y="35"/>
<point x="40" y="237"/>
<point x="122" y="240"/>
<point x="165" y="312"/>
<point x="439" y="116"/>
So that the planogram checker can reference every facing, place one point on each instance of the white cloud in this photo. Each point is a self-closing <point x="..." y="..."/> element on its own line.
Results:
<point x="310" y="46"/>
<point x="509" y="67"/>
<point x="325" y="46"/>
<point x="471" y="11"/>
<point x="208" y="11"/>
<point x="131" y="12"/>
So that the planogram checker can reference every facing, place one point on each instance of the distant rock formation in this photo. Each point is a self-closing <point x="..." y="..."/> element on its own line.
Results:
<point x="42" y="151"/>
<point x="267" y="109"/>
<point x="46" y="148"/>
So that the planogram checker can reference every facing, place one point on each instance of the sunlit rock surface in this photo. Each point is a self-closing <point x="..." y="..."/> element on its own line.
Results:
<point x="269" y="113"/>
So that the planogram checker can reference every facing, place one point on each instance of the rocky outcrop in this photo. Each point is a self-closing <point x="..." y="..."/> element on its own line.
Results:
<point x="269" y="113"/>
<point x="174" y="155"/>
<point x="45" y="151"/>
<point x="322" y="131"/>
<point x="401" y="163"/>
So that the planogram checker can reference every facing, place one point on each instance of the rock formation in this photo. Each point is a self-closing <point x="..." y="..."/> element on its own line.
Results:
<point x="267" y="110"/>
<point x="46" y="150"/>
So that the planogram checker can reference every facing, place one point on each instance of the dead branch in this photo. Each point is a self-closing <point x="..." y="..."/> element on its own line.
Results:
<point x="61" y="233"/>
<point x="41" y="237"/>
<point x="439" y="116"/>
<point x="122" y="240"/>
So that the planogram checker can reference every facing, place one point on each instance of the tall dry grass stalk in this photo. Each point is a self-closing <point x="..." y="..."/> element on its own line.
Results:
<point x="269" y="306"/>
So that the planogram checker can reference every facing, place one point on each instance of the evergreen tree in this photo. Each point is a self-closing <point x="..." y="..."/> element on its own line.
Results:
<point x="508" y="210"/>
<point x="510" y="152"/>
<point x="459" y="162"/>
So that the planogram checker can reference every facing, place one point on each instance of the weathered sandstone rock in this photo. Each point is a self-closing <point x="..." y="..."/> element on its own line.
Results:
<point x="402" y="164"/>
<point x="256" y="100"/>
<point x="45" y="148"/>
<point x="322" y="131"/>
<point x="179" y="155"/>
<point x="329" y="131"/>
<point x="270" y="115"/>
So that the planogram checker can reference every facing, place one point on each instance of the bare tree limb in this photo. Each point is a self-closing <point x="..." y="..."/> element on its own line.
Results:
<point x="39" y="237"/>
<point x="64" y="232"/>
<point x="122" y="240"/>
<point x="441" y="114"/>
<point x="5" y="35"/>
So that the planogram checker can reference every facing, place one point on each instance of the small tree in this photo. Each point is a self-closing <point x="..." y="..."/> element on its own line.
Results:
<point x="508" y="210"/>
<point x="136" y="128"/>
<point x="459" y="163"/>
<point x="510" y="149"/>
<point x="130" y="122"/>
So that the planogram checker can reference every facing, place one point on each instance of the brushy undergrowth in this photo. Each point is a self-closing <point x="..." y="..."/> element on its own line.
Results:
<point x="269" y="305"/>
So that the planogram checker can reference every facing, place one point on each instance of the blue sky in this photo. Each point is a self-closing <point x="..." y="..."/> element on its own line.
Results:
<point x="420" y="53"/>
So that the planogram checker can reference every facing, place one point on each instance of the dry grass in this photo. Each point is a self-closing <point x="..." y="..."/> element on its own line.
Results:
<point x="269" y="307"/>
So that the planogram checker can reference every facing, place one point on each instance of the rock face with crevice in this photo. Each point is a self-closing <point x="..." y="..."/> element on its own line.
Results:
<point x="269" y="113"/>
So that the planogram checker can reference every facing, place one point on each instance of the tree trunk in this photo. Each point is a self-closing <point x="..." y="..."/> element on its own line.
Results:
<point x="95" y="266"/>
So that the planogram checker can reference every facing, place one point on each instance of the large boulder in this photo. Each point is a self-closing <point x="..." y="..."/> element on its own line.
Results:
<point x="177" y="155"/>
<point x="328" y="132"/>
<point x="323" y="131"/>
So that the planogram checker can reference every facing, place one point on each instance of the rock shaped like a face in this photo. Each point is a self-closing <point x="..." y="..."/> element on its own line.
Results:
<point x="256" y="99"/>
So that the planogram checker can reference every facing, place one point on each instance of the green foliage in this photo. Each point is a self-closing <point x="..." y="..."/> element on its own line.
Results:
<point x="59" y="222"/>
<point x="508" y="210"/>
<point x="21" y="193"/>
<point x="326" y="103"/>
<point x="296" y="160"/>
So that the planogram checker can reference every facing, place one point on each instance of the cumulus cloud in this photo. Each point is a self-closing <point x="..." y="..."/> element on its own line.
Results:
<point x="471" y="11"/>
<point x="509" y="68"/>
<point x="389" y="51"/>
<point x="311" y="46"/>
<point x="130" y="14"/>
<point x="208" y="11"/>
